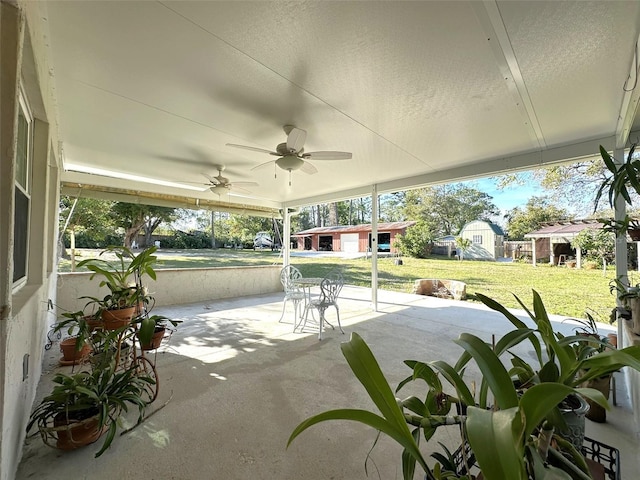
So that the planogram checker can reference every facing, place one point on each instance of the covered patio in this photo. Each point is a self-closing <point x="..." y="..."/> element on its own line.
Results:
<point x="178" y="103"/>
<point x="234" y="383"/>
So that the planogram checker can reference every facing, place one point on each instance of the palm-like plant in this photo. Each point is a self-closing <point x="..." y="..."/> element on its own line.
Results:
<point x="105" y="392"/>
<point x="510" y="438"/>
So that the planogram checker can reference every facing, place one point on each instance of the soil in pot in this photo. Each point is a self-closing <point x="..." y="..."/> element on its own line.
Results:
<point x="77" y="432"/>
<point x="69" y="352"/>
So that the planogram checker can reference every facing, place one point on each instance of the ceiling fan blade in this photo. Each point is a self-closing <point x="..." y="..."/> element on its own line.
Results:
<point x="328" y="155"/>
<point x="212" y="179"/>
<point x="308" y="168"/>
<point x="244" y="184"/>
<point x="296" y="139"/>
<point x="263" y="164"/>
<point x="254" y="149"/>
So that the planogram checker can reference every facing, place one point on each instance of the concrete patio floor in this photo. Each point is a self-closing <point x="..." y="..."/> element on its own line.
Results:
<point x="234" y="383"/>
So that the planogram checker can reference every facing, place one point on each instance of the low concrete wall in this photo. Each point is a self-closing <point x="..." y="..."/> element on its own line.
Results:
<point x="175" y="286"/>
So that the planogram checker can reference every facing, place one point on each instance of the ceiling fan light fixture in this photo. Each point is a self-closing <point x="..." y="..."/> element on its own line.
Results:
<point x="219" y="189"/>
<point x="290" y="162"/>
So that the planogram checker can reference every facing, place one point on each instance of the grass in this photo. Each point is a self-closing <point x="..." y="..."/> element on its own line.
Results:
<point x="565" y="291"/>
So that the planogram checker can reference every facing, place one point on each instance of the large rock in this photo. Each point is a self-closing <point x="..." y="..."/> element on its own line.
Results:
<point x="441" y="288"/>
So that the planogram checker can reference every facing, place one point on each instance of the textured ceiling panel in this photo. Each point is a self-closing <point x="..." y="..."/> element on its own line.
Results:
<point x="415" y="90"/>
<point x="575" y="58"/>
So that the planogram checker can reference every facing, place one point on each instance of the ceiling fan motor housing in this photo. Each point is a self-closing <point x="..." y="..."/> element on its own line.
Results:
<point x="289" y="162"/>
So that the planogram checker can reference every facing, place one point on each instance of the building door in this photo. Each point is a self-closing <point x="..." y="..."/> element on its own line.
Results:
<point x="349" y="242"/>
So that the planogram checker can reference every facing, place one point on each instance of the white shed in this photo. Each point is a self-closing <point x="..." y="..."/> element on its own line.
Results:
<point x="487" y="240"/>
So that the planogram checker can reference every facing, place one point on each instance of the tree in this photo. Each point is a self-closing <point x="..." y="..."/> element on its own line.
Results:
<point x="447" y="208"/>
<point x="417" y="241"/>
<point x="90" y="220"/>
<point x="573" y="184"/>
<point x="598" y="245"/>
<point x="536" y="211"/>
<point x="243" y="228"/>
<point x="134" y="217"/>
<point x="463" y="245"/>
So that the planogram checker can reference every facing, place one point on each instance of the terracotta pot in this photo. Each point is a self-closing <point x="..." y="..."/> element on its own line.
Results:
<point x="613" y="339"/>
<point x="74" y="434"/>
<point x="93" y="322"/>
<point x="69" y="352"/>
<point x="156" y="339"/>
<point x="597" y="413"/>
<point x="114" y="319"/>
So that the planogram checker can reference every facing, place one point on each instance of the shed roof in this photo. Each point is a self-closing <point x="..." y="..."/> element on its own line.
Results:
<point x="495" y="228"/>
<point x="566" y="228"/>
<point x="356" y="228"/>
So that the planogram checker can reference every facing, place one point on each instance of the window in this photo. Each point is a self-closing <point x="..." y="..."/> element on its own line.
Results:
<point x="22" y="194"/>
<point x="477" y="239"/>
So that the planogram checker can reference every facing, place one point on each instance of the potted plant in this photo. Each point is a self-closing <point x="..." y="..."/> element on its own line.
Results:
<point x="152" y="330"/>
<point x="84" y="406"/>
<point x="510" y="438"/>
<point x="75" y="347"/>
<point x="123" y="277"/>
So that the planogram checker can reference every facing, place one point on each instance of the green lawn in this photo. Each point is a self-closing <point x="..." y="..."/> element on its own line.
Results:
<point x="565" y="291"/>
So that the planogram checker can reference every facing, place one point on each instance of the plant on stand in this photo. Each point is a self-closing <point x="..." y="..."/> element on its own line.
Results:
<point x="514" y="437"/>
<point x="84" y="406"/>
<point x="123" y="277"/>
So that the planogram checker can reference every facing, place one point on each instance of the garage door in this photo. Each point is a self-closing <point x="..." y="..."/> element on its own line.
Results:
<point x="349" y="242"/>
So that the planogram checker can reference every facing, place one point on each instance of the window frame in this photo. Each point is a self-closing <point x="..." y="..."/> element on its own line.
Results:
<point x="24" y="190"/>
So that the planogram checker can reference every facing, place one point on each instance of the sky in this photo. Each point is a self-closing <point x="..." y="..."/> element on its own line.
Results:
<point x="510" y="197"/>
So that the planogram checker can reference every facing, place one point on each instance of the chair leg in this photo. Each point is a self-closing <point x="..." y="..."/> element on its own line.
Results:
<point x="284" y="305"/>
<point x="303" y="318"/>
<point x="321" y="322"/>
<point x="296" y="312"/>
<point x="338" y="315"/>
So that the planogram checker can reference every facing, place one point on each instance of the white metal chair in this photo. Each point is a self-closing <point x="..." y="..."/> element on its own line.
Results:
<point x="288" y="275"/>
<point x="330" y="288"/>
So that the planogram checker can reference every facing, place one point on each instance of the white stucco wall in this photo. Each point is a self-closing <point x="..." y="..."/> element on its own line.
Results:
<point x="24" y="314"/>
<point x="176" y="286"/>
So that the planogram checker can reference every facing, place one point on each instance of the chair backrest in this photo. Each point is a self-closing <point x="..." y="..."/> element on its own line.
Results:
<point x="288" y="275"/>
<point x="331" y="286"/>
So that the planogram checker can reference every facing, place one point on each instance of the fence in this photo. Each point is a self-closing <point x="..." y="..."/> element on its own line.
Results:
<point x="518" y="249"/>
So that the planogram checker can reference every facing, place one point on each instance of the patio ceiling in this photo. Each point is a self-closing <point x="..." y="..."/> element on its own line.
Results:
<point x="419" y="92"/>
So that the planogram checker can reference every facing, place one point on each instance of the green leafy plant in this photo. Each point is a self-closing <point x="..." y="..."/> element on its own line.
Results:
<point x="149" y="324"/>
<point x="122" y="276"/>
<point x="105" y="392"/>
<point x="510" y="438"/>
<point x="623" y="177"/>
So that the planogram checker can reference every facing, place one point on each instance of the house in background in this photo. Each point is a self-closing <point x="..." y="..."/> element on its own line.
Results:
<point x="349" y="238"/>
<point x="553" y="240"/>
<point x="487" y="240"/>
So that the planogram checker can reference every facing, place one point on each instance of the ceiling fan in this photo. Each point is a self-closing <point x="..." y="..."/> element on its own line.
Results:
<point x="221" y="185"/>
<point x="292" y="154"/>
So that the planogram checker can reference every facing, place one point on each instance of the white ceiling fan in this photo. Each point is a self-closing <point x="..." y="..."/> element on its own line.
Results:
<point x="292" y="154"/>
<point x="221" y="185"/>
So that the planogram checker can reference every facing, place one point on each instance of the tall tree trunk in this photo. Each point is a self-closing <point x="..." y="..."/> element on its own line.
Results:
<point x="333" y="214"/>
<point x="149" y="227"/>
<point x="130" y="235"/>
<point x="318" y="216"/>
